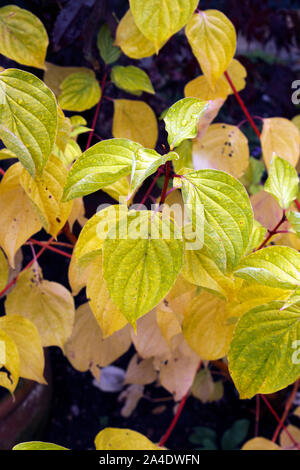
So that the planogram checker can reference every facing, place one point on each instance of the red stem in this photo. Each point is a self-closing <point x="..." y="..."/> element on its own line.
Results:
<point x="2" y="172"/>
<point x="174" y="421"/>
<point x="148" y="192"/>
<point x="51" y="248"/>
<point x="14" y="280"/>
<point x="272" y="232"/>
<point x="96" y="111"/>
<point x="242" y="105"/>
<point x="257" y="413"/>
<point x="279" y="422"/>
<point x="288" y="406"/>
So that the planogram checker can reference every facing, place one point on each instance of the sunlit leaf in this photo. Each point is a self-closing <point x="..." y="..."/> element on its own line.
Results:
<point x="79" y="91"/>
<point x="29" y="110"/>
<point x="19" y="220"/>
<point x="261" y="355"/>
<point x="55" y="74"/>
<point x="135" y="120"/>
<point x="122" y="439"/>
<point x="282" y="182"/>
<point x="49" y="305"/>
<point x="212" y="38"/>
<point x="38" y="445"/>
<point x="3" y="271"/>
<point x="23" y="37"/>
<point x="162" y="18"/>
<point x="9" y="362"/>
<point x="280" y="136"/>
<point x="130" y="39"/>
<point x="141" y="267"/>
<point x="182" y="118"/>
<point x="131" y="79"/>
<point x="260" y="443"/>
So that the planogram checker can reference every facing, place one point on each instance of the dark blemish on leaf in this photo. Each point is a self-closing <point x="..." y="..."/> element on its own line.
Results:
<point x="58" y="220"/>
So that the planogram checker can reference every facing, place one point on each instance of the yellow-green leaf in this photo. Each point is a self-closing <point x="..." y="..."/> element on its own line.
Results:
<point x="122" y="439"/>
<point x="131" y="79"/>
<point x="223" y="147"/>
<point x="29" y="110"/>
<point x="135" y="120"/>
<point x="23" y="37"/>
<point x="55" y="74"/>
<point x="282" y="182"/>
<point x="141" y="261"/>
<point x="274" y="266"/>
<point x="260" y="443"/>
<point x="16" y="149"/>
<point x="26" y="337"/>
<point x="160" y="19"/>
<point x="227" y="210"/>
<point x="19" y="220"/>
<point x="294" y="219"/>
<point x="282" y="137"/>
<point x="262" y="352"/>
<point x="182" y="118"/>
<point x="91" y="237"/>
<point x="9" y="362"/>
<point x="212" y="38"/>
<point x="38" y="445"/>
<point x="130" y="39"/>
<point x="106" y="312"/>
<point x="49" y="305"/>
<point x="45" y="192"/>
<point x="79" y="91"/>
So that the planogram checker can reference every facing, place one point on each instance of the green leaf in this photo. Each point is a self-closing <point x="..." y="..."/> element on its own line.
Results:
<point x="100" y="166"/>
<point x="234" y="436"/>
<point x="184" y="150"/>
<point x="263" y="352"/>
<point x="131" y="79"/>
<point x="146" y="162"/>
<point x="38" y="445"/>
<point x="294" y="298"/>
<point x="79" y="91"/>
<point x="161" y="18"/>
<point x="205" y="437"/>
<point x="14" y="144"/>
<point x="282" y="182"/>
<point x="29" y="111"/>
<point x="227" y="210"/>
<point x="257" y="236"/>
<point x="182" y="118"/>
<point x="142" y="257"/>
<point x="274" y="266"/>
<point x="294" y="219"/>
<point x="108" y="52"/>
<point x="23" y="37"/>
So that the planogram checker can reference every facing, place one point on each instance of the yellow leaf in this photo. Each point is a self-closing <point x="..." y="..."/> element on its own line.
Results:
<point x="79" y="91"/>
<point x="160" y="19"/>
<point x="223" y="147"/>
<point x="86" y="349"/>
<point x="26" y="337"/>
<point x="135" y="120"/>
<point x="281" y="136"/>
<point x="3" y="271"/>
<point x="78" y="275"/>
<point x="9" y="359"/>
<point x="177" y="369"/>
<point x="45" y="192"/>
<point x="200" y="88"/>
<point x="64" y="129"/>
<point x="49" y="305"/>
<point x="130" y="39"/>
<point x="120" y="188"/>
<point x="260" y="443"/>
<point x="148" y="340"/>
<point x="169" y="323"/>
<point x="19" y="220"/>
<point x="140" y="371"/>
<point x="205" y="326"/>
<point x="285" y="440"/>
<point x="210" y="114"/>
<point x="77" y="213"/>
<point x="106" y="312"/>
<point x="55" y="74"/>
<point x="122" y="439"/>
<point x="23" y="37"/>
<point x="212" y="38"/>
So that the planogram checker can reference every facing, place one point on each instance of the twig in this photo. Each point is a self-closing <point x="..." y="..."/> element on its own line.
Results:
<point x="288" y="406"/>
<point x="174" y="421"/>
<point x="272" y="232"/>
<point x="96" y="111"/>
